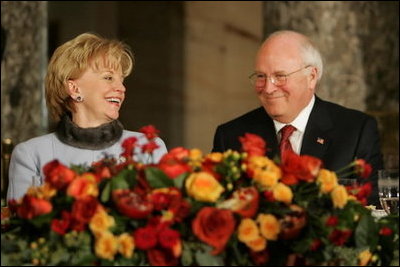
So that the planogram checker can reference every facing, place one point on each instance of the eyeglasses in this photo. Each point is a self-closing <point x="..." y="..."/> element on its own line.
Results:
<point x="259" y="79"/>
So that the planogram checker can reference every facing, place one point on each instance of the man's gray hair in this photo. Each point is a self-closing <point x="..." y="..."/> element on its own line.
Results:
<point x="310" y="53"/>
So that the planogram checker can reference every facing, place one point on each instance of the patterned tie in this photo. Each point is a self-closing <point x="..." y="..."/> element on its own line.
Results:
<point x="285" y="145"/>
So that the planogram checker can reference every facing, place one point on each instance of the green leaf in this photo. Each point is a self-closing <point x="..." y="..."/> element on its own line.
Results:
<point x="119" y="181"/>
<point x="105" y="194"/>
<point x="179" y="181"/>
<point x="187" y="256"/>
<point x="42" y="220"/>
<point x="366" y="233"/>
<point x="205" y="258"/>
<point x="157" y="178"/>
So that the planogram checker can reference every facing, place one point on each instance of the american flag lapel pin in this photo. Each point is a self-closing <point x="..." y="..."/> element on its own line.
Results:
<point x="320" y="140"/>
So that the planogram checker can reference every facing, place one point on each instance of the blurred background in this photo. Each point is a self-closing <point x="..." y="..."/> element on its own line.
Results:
<point x="193" y="59"/>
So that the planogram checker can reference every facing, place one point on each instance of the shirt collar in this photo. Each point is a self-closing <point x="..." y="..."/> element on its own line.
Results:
<point x="300" y="122"/>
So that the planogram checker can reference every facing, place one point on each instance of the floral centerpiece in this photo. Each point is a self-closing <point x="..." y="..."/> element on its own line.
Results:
<point x="231" y="208"/>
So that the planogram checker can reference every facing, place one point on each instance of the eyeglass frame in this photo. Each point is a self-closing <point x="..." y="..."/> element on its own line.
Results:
<point x="272" y="78"/>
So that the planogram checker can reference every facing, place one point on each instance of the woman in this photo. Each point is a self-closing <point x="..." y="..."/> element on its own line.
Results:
<point x="84" y="93"/>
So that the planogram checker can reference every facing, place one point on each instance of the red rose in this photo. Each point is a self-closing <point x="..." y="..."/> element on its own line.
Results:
<point x="145" y="237"/>
<point x="168" y="238"/>
<point x="57" y="175"/>
<point x="61" y="226"/>
<point x="332" y="221"/>
<point x="251" y="198"/>
<point x="296" y="167"/>
<point x="253" y="144"/>
<point x="161" y="257"/>
<point x="128" y="145"/>
<point x="315" y="245"/>
<point x="83" y="209"/>
<point x="131" y="204"/>
<point x="149" y="147"/>
<point x="362" y="168"/>
<point x="149" y="131"/>
<point x="386" y="231"/>
<point x="339" y="237"/>
<point x="259" y="258"/>
<point x="32" y="207"/>
<point x="214" y="227"/>
<point x="175" y="163"/>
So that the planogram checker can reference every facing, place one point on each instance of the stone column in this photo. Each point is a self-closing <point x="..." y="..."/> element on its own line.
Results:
<point x="23" y="67"/>
<point x="359" y="43"/>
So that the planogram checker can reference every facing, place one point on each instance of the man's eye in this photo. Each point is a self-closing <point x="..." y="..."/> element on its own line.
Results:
<point x="280" y="76"/>
<point x="260" y="76"/>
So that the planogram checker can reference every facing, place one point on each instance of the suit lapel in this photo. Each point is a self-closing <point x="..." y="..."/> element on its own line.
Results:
<point x="316" y="136"/>
<point x="264" y="127"/>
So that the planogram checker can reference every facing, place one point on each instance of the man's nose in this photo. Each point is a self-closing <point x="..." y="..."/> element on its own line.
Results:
<point x="269" y="87"/>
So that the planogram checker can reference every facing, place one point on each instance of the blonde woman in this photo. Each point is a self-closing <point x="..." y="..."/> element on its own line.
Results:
<point x="84" y="93"/>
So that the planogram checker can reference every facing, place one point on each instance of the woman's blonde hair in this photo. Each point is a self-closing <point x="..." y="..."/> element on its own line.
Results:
<point x="74" y="57"/>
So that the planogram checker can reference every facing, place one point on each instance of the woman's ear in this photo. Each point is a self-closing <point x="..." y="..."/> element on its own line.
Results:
<point x="73" y="89"/>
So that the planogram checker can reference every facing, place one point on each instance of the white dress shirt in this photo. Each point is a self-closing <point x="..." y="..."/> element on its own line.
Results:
<point x="300" y="122"/>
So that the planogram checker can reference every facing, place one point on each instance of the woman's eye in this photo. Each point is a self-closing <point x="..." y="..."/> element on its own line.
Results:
<point x="108" y="78"/>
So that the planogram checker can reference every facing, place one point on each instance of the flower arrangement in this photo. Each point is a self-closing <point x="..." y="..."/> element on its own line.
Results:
<point x="231" y="208"/>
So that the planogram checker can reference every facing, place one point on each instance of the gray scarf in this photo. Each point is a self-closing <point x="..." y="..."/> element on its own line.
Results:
<point x="93" y="138"/>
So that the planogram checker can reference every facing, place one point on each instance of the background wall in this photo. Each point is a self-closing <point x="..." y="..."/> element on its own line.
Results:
<point x="193" y="59"/>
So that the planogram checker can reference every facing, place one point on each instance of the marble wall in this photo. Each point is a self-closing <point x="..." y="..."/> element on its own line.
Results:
<point x="359" y="42"/>
<point x="221" y="41"/>
<point x="23" y="65"/>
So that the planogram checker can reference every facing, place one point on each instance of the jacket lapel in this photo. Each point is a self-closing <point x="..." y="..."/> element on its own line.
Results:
<point x="265" y="128"/>
<point x="316" y="136"/>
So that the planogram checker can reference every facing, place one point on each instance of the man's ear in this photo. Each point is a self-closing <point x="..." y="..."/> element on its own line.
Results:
<point x="313" y="77"/>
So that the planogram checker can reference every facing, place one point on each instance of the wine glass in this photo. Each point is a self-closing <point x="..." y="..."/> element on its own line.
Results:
<point x="388" y="184"/>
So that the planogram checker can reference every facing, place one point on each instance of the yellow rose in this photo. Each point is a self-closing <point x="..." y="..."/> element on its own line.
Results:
<point x="106" y="246"/>
<point x="215" y="157"/>
<point x="282" y="193"/>
<point x="339" y="196"/>
<point x="266" y="178"/>
<point x="364" y="257"/>
<point x="258" y="244"/>
<point x="248" y="230"/>
<point x="202" y="186"/>
<point x="44" y="191"/>
<point x="264" y="170"/>
<point x="327" y="180"/>
<point x="126" y="245"/>
<point x="100" y="222"/>
<point x="269" y="226"/>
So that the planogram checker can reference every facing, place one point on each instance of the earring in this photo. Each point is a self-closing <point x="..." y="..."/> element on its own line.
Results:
<point x="79" y="99"/>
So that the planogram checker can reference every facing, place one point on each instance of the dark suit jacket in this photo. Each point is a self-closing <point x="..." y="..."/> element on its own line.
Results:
<point x="347" y="134"/>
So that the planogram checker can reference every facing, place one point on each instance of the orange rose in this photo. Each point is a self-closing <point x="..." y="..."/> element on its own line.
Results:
<point x="214" y="227"/>
<point x="32" y="207"/>
<point x="253" y="144"/>
<point x="175" y="163"/>
<point x="82" y="186"/>
<point x="297" y="168"/>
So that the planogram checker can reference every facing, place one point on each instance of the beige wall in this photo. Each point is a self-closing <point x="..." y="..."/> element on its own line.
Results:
<point x="221" y="40"/>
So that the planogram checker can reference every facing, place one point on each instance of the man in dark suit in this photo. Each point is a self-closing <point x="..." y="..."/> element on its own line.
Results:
<point x="287" y="69"/>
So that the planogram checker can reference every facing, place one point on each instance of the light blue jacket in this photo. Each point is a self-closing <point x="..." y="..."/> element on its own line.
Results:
<point x="28" y="158"/>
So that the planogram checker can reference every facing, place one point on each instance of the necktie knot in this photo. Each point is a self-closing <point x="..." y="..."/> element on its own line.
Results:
<point x="285" y="144"/>
<point x="287" y="131"/>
